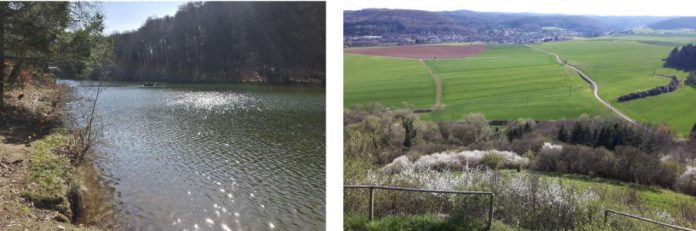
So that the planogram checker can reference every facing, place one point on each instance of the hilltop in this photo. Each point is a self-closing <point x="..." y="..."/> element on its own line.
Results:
<point x="675" y="23"/>
<point x="396" y="26"/>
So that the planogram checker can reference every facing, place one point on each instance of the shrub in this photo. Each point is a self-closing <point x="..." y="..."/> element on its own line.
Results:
<point x="492" y="161"/>
<point x="687" y="181"/>
<point x="472" y="129"/>
<point x="626" y="163"/>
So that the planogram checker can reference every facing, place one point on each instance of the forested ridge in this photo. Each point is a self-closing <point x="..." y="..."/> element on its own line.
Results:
<point x="279" y="42"/>
<point x="675" y="23"/>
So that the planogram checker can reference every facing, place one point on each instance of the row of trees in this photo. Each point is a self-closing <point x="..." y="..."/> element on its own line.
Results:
<point x="683" y="58"/>
<point x="226" y="42"/>
<point x="672" y="86"/>
<point x="610" y="134"/>
<point x="67" y="35"/>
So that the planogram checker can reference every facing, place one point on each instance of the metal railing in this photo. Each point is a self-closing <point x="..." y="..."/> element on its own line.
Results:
<point x="373" y="188"/>
<point x="609" y="211"/>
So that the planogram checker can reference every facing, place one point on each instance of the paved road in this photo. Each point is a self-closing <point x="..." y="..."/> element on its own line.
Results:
<point x="438" y="86"/>
<point x="593" y="86"/>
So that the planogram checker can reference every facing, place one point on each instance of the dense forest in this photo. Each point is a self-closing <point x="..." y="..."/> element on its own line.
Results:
<point x="280" y="42"/>
<point x="683" y="58"/>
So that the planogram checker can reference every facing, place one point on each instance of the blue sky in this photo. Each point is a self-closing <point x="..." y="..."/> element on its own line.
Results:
<point x="125" y="16"/>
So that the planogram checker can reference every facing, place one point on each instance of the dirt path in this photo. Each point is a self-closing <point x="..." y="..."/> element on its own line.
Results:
<point x="438" y="86"/>
<point x="593" y="86"/>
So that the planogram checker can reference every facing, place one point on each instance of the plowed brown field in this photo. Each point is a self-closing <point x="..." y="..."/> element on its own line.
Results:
<point x="422" y="51"/>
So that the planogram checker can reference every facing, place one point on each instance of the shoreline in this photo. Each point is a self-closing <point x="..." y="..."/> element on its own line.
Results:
<point x="40" y="185"/>
<point x="250" y="83"/>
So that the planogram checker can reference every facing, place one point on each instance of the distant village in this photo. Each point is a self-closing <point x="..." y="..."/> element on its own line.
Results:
<point x="499" y="36"/>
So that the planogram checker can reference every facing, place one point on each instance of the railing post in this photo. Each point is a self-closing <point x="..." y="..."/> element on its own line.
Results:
<point x="490" y="212"/>
<point x="372" y="203"/>
<point x="606" y="216"/>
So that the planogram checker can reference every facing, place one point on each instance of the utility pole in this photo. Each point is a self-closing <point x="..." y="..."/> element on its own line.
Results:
<point x="527" y="100"/>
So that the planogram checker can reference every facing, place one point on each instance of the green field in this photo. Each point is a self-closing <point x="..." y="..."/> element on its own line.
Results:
<point x="510" y="82"/>
<point x="389" y="81"/>
<point x="623" y="66"/>
<point x="505" y="82"/>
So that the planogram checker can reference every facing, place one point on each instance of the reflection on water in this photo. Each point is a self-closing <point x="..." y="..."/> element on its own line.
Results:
<point x="221" y="157"/>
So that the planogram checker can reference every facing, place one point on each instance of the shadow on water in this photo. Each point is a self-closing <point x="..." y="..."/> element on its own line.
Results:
<point x="96" y="203"/>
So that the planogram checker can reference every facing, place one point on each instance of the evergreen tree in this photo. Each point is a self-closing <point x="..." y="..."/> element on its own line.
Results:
<point x="30" y="32"/>
<point x="409" y="130"/>
<point x="562" y="134"/>
<point x="683" y="58"/>
<point x="691" y="79"/>
<point x="576" y="136"/>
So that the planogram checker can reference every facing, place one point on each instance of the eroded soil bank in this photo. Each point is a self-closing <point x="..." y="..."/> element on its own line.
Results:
<point x="40" y="187"/>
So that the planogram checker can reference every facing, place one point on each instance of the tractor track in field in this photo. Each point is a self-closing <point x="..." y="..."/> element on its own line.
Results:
<point x="438" y="86"/>
<point x="593" y="86"/>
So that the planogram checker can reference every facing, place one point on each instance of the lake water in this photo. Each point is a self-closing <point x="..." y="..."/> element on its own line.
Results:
<point x="212" y="157"/>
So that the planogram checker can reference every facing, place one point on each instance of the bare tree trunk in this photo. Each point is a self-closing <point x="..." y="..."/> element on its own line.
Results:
<point x="3" y="16"/>
<point x="14" y="74"/>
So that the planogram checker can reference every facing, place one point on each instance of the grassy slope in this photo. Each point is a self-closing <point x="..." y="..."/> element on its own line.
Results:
<point x="389" y="81"/>
<point x="617" y="195"/>
<point x="413" y="222"/>
<point x="509" y="82"/>
<point x="623" y="66"/>
<point x="649" y="197"/>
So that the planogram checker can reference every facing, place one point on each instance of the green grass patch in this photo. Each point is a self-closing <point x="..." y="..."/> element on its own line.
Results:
<point x="51" y="176"/>
<point x="389" y="81"/>
<point x="415" y="222"/>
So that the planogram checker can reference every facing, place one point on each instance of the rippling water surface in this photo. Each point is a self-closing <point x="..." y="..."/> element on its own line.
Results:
<point x="212" y="157"/>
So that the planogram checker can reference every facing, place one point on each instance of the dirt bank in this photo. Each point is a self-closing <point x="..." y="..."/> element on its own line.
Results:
<point x="39" y="187"/>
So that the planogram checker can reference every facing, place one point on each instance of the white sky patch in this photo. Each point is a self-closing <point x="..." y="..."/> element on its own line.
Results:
<point x="574" y="7"/>
<point x="130" y="15"/>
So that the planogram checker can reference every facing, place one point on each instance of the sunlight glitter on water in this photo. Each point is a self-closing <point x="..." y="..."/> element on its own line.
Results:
<point x="212" y="100"/>
<point x="173" y="153"/>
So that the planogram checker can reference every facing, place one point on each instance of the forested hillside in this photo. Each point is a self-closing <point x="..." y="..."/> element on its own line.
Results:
<point x="675" y="23"/>
<point x="226" y="42"/>
<point x="377" y="21"/>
